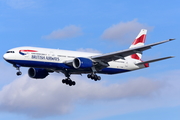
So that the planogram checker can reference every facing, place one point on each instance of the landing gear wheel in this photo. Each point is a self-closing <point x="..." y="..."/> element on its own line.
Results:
<point x="63" y="81"/>
<point x="70" y="84"/>
<point x="19" y="73"/>
<point x="89" y="76"/>
<point x="73" y="83"/>
<point x="68" y="81"/>
<point x="94" y="77"/>
<point x="99" y="77"/>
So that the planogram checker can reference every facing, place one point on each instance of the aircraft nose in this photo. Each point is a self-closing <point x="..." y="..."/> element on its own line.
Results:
<point x="5" y="56"/>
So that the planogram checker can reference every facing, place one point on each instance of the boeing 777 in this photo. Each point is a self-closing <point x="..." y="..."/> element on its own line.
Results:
<point x="43" y="61"/>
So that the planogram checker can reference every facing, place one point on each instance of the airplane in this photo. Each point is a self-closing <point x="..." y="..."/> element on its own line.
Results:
<point x="42" y="61"/>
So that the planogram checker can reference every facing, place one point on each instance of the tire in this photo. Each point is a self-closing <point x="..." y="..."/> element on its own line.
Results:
<point x="99" y="77"/>
<point x="92" y="76"/>
<point x="73" y="83"/>
<point x="95" y="77"/>
<point x="63" y="81"/>
<point x="88" y="76"/>
<point x="19" y="73"/>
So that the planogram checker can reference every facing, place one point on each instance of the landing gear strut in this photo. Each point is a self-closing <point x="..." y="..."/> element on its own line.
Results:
<point x="93" y="75"/>
<point x="68" y="81"/>
<point x="18" y="68"/>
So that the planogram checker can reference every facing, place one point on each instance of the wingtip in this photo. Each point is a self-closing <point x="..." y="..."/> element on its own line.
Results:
<point x="171" y="39"/>
<point x="171" y="56"/>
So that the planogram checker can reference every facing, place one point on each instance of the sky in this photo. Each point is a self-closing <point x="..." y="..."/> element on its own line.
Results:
<point x="91" y="26"/>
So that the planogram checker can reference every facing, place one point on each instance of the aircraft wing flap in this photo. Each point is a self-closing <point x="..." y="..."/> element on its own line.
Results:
<point x="124" y="53"/>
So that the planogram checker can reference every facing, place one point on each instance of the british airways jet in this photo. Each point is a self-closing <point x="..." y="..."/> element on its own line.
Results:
<point x="43" y="61"/>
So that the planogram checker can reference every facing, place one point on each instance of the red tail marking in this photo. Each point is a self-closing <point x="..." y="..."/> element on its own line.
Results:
<point x="135" y="56"/>
<point x="146" y="64"/>
<point x="141" y="39"/>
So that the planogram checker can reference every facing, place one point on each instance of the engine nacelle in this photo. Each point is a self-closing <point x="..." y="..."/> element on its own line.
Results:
<point x="37" y="73"/>
<point x="82" y="63"/>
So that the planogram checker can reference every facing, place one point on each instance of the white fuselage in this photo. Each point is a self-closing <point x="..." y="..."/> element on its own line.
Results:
<point x="42" y="61"/>
<point x="55" y="59"/>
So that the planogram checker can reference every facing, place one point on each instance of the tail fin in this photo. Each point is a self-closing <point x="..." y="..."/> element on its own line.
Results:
<point x="139" y="41"/>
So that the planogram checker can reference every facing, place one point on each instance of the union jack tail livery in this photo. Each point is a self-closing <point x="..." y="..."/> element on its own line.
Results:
<point x="138" y="42"/>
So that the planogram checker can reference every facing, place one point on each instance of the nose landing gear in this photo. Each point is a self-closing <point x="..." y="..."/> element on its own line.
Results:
<point x="19" y="73"/>
<point x="18" y="68"/>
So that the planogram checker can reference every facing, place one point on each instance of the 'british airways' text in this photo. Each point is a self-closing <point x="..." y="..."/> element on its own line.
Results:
<point x="50" y="58"/>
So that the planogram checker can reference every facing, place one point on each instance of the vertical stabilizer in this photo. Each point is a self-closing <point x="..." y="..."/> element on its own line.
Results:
<point x="139" y="41"/>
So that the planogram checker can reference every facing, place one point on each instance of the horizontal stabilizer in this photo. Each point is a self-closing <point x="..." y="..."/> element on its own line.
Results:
<point x="154" y="60"/>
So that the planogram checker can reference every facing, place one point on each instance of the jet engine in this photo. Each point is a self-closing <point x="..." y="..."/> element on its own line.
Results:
<point x="82" y="63"/>
<point x="37" y="73"/>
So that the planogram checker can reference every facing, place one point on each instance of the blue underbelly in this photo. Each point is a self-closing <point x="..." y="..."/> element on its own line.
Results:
<point x="62" y="66"/>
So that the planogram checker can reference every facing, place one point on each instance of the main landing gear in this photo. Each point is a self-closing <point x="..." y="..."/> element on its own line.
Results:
<point x="94" y="77"/>
<point x="18" y="68"/>
<point x="68" y="81"/>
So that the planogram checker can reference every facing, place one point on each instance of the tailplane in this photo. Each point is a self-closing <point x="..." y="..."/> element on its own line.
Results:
<point x="153" y="60"/>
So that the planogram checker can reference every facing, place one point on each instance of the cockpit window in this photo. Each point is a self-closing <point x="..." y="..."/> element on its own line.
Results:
<point x="10" y="52"/>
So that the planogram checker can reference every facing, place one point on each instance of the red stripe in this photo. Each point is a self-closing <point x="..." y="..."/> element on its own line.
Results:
<point x="141" y="39"/>
<point x="28" y="51"/>
<point x="135" y="56"/>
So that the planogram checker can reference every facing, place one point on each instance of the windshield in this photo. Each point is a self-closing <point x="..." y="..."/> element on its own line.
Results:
<point x="10" y="52"/>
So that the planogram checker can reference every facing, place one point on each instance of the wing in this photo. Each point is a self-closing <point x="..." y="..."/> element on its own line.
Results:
<point x="124" y="53"/>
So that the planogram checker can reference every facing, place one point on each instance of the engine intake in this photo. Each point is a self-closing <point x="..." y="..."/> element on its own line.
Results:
<point x="37" y="73"/>
<point x="82" y="63"/>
